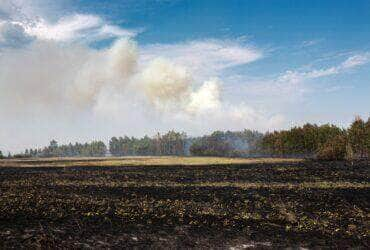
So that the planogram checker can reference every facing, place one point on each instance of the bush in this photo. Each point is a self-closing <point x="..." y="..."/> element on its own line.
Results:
<point x="334" y="149"/>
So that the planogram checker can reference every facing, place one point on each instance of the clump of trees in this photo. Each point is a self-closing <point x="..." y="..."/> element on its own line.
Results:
<point x="171" y="143"/>
<point x="353" y="144"/>
<point x="326" y="142"/>
<point x="302" y="141"/>
<point x="92" y="149"/>
<point x="334" y="149"/>
<point x="1" y="155"/>
<point x="358" y="137"/>
<point x="241" y="143"/>
<point x="212" y="145"/>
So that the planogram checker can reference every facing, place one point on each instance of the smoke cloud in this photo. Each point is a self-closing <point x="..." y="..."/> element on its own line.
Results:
<point x="46" y="74"/>
<point x="109" y="68"/>
<point x="165" y="84"/>
<point x="70" y="91"/>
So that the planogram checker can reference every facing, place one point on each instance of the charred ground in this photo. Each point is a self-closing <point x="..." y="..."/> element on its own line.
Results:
<point x="265" y="204"/>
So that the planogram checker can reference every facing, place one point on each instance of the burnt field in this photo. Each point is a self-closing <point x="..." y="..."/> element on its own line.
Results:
<point x="253" y="204"/>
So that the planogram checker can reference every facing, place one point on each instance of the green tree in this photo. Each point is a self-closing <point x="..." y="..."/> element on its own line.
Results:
<point x="215" y="144"/>
<point x="299" y="141"/>
<point x="357" y="137"/>
<point x="114" y="146"/>
<point x="367" y="137"/>
<point x="334" y="149"/>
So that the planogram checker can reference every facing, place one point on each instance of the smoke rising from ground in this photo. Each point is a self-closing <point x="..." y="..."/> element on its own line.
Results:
<point x="71" y="87"/>
<point x="47" y="75"/>
<point x="109" y="68"/>
<point x="54" y="84"/>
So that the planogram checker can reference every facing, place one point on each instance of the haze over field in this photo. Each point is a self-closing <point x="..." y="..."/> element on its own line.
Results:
<point x="77" y="71"/>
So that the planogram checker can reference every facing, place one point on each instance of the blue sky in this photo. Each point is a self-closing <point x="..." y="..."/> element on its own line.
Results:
<point x="284" y="23"/>
<point x="194" y="66"/>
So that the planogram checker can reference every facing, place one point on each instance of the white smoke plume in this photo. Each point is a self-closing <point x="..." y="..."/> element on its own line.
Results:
<point x="206" y="98"/>
<point x="73" y="92"/>
<point x="165" y="84"/>
<point x="112" y="67"/>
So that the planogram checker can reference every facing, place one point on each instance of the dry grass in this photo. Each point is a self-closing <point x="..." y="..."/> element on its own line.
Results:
<point x="137" y="161"/>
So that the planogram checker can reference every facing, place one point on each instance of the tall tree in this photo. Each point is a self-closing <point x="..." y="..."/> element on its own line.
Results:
<point x="357" y="136"/>
<point x="367" y="137"/>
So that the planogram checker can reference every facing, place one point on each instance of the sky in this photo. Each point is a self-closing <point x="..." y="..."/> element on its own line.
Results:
<point x="82" y="70"/>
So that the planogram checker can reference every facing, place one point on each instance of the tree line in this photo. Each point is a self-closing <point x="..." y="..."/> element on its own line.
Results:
<point x="92" y="149"/>
<point x="327" y="142"/>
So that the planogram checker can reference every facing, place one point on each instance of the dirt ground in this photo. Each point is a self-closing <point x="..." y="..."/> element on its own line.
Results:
<point x="226" y="204"/>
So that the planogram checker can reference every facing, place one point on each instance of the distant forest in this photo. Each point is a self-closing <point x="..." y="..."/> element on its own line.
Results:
<point x="326" y="142"/>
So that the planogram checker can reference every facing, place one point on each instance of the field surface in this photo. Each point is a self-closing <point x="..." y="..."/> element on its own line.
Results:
<point x="181" y="202"/>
